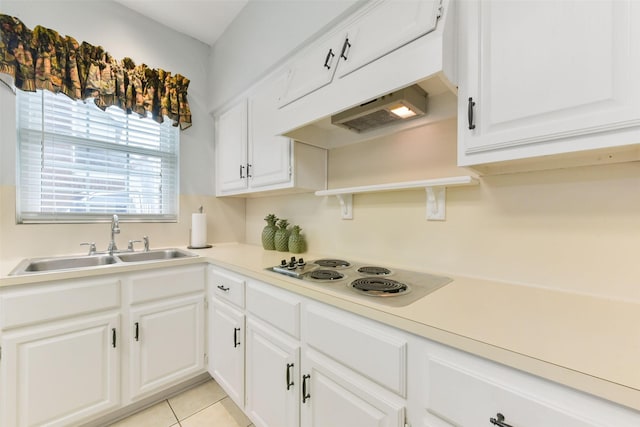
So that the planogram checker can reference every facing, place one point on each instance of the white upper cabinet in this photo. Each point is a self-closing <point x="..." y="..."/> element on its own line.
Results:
<point x="269" y="155"/>
<point x="384" y="26"/>
<point x="231" y="148"/>
<point x="542" y="78"/>
<point x="313" y="68"/>
<point x="251" y="158"/>
<point x="378" y="28"/>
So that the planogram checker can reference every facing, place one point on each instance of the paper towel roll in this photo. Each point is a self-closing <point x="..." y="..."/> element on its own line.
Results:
<point x="198" y="230"/>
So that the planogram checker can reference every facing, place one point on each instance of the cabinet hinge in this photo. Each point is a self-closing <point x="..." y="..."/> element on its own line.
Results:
<point x="206" y="303"/>
<point x="440" y="7"/>
<point x="290" y="171"/>
<point x="206" y="359"/>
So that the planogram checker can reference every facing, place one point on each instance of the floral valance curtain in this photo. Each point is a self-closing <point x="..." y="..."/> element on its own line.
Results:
<point x="43" y="59"/>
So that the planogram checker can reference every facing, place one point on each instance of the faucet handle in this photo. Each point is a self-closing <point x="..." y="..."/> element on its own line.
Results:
<point x="131" y="242"/>
<point x="146" y="243"/>
<point x="92" y="247"/>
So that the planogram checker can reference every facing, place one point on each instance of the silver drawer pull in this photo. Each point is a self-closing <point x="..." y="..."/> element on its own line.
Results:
<point x="499" y="421"/>
<point x="223" y="289"/>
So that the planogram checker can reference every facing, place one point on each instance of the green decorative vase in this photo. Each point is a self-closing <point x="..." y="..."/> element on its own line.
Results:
<point x="297" y="245"/>
<point x="282" y="236"/>
<point x="269" y="232"/>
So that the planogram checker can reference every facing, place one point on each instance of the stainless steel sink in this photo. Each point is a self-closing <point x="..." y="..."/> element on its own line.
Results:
<point x="43" y="265"/>
<point x="156" y="255"/>
<point x="39" y="265"/>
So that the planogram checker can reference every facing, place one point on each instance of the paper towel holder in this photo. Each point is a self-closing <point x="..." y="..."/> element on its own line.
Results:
<point x="206" y="246"/>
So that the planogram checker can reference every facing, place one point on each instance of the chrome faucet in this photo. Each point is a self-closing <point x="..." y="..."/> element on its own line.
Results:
<point x="146" y="243"/>
<point x="115" y="229"/>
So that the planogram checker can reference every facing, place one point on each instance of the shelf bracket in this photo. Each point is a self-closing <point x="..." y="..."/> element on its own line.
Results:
<point x="436" y="203"/>
<point x="436" y="190"/>
<point x="346" y="205"/>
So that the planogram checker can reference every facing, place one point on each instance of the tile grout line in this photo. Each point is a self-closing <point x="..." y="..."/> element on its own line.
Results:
<point x="174" y="413"/>
<point x="200" y="410"/>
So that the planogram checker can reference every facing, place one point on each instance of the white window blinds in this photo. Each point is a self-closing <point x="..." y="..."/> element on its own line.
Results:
<point x="77" y="163"/>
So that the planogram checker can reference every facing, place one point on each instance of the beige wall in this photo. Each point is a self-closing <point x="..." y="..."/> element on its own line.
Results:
<point x="572" y="229"/>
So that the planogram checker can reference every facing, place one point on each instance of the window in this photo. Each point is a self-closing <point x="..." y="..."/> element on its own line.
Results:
<point x="77" y="163"/>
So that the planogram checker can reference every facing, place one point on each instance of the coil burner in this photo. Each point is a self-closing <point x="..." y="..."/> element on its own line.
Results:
<point x="325" y="275"/>
<point x="332" y="263"/>
<point x="393" y="287"/>
<point x="379" y="286"/>
<point x="371" y="270"/>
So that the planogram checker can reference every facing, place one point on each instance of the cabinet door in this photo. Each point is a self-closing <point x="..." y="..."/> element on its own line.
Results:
<point x="383" y="27"/>
<point x="537" y="72"/>
<point x="166" y="344"/>
<point x="269" y="154"/>
<point x="335" y="397"/>
<point x="60" y="374"/>
<point x="231" y="149"/>
<point x="272" y="377"/>
<point x="226" y="349"/>
<point x="313" y="68"/>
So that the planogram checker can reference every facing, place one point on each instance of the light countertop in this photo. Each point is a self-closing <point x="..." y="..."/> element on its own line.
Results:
<point x="585" y="342"/>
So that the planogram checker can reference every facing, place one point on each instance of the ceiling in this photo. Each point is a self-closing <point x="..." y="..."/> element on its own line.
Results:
<point x="204" y="20"/>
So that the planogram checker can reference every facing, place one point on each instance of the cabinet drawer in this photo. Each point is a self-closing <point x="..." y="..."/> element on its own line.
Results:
<point x="373" y="350"/>
<point x="58" y="300"/>
<point x="464" y="390"/>
<point x="279" y="308"/>
<point x="227" y="286"/>
<point x="166" y="282"/>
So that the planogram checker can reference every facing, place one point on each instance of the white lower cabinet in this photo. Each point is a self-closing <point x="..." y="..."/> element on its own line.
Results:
<point x="289" y="383"/>
<point x="313" y="365"/>
<point x="272" y="377"/>
<point x="166" y="344"/>
<point x="64" y="343"/>
<point x="226" y="348"/>
<point x="165" y="327"/>
<point x="334" y="396"/>
<point x="298" y="362"/>
<point x="61" y="351"/>
<point x="59" y="374"/>
<point x="460" y="389"/>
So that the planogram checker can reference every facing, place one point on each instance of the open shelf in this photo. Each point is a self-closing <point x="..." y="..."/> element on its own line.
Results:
<point x="435" y="189"/>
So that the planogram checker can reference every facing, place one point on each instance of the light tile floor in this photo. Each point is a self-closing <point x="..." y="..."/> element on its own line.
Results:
<point x="205" y="405"/>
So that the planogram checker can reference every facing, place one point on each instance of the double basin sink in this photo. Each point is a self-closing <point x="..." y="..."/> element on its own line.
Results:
<point x="42" y="265"/>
